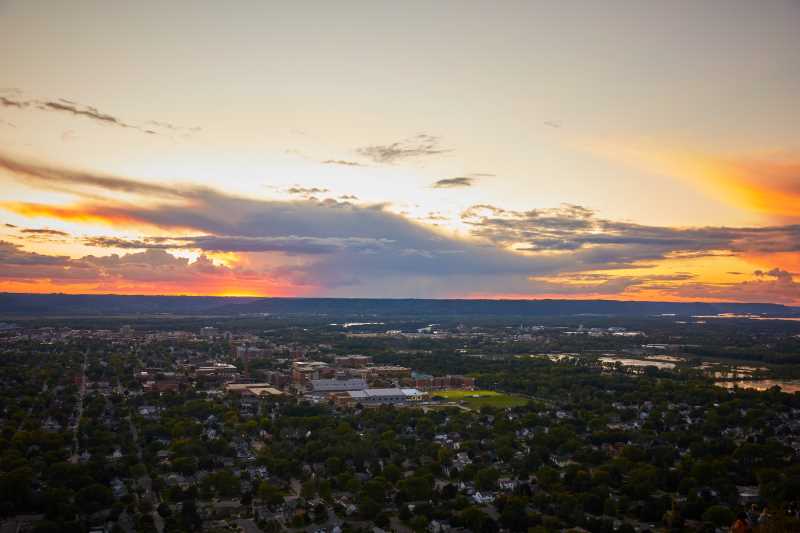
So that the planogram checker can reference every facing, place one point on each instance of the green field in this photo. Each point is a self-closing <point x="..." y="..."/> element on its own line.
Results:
<point x="475" y="399"/>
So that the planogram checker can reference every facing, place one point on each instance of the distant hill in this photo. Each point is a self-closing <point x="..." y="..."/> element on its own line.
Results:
<point x="15" y="304"/>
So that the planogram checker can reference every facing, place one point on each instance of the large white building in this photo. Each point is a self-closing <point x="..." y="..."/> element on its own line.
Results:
<point x="337" y="385"/>
<point x="384" y="396"/>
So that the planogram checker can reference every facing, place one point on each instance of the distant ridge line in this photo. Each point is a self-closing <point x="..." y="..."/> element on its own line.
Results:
<point x="27" y="304"/>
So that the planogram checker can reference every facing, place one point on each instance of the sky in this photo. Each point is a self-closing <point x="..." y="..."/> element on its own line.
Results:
<point x="634" y="150"/>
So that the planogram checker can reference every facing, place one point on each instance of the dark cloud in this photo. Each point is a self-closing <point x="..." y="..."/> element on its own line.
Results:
<point x="62" y="105"/>
<point x="74" y="181"/>
<point x="603" y="284"/>
<point x="291" y="244"/>
<point x="341" y="162"/>
<point x="575" y="228"/>
<point x="451" y="183"/>
<point x="84" y="111"/>
<point x="421" y="145"/>
<point x="777" y="273"/>
<point x="45" y="231"/>
<point x="552" y="124"/>
<point x="306" y="191"/>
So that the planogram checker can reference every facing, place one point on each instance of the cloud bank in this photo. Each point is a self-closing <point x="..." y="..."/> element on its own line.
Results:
<point x="330" y="247"/>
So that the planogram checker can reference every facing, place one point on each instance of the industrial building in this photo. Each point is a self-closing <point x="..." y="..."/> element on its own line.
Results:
<point x="368" y="397"/>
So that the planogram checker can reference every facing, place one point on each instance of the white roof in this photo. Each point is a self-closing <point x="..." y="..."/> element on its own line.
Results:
<point x="377" y="393"/>
<point x="338" y="384"/>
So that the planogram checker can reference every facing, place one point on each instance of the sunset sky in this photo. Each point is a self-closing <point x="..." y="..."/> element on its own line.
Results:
<point x="515" y="149"/>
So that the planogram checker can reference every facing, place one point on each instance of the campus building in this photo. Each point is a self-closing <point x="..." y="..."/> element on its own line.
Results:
<point x="324" y="386"/>
<point x="370" y="397"/>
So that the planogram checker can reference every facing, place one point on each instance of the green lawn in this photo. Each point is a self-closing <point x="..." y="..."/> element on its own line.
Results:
<point x="475" y="399"/>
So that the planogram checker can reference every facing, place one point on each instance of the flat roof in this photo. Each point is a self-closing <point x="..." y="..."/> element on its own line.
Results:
<point x="259" y="391"/>
<point x="378" y="393"/>
<point x="243" y="386"/>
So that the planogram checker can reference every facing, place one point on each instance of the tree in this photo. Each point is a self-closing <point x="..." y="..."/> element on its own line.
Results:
<point x="486" y="478"/>
<point x="94" y="498"/>
<point x="719" y="515"/>
<point x="269" y="494"/>
<point x="185" y="465"/>
<point x="308" y="490"/>
<point x="189" y="517"/>
<point x="476" y="520"/>
<point x="419" y="523"/>
<point x="368" y="507"/>
<point x="46" y="526"/>
<point x="392" y="472"/>
<point x="515" y="515"/>
<point x="226" y="483"/>
<point x="547" y="476"/>
<point x="325" y="490"/>
<point x="416" y="488"/>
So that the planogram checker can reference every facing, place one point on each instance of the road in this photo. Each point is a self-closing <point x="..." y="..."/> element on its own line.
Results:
<point x="146" y="481"/>
<point x="81" y="394"/>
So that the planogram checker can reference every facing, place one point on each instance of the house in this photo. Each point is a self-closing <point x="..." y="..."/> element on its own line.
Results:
<point x="482" y="498"/>
<point x="118" y="488"/>
<point x="748" y="494"/>
<point x="148" y="411"/>
<point x="507" y="483"/>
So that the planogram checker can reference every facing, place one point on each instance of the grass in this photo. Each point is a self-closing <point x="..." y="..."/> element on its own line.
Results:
<point x="475" y="399"/>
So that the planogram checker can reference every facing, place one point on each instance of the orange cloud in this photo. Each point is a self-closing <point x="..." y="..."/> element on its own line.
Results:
<point x="789" y="261"/>
<point x="770" y="187"/>
<point x="86" y="214"/>
<point x="768" y="184"/>
<point x="119" y="216"/>
<point x="148" y="272"/>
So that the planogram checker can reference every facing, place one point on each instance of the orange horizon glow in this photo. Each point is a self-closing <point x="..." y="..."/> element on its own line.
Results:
<point x="89" y="289"/>
<point x="216" y="289"/>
